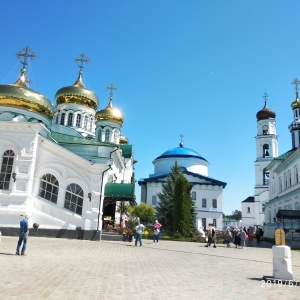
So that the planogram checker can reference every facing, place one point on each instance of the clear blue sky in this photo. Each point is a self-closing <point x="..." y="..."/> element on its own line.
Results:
<point x="192" y="67"/>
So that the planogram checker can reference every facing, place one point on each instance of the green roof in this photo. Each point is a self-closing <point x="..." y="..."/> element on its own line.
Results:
<point x="127" y="151"/>
<point x="119" y="191"/>
<point x="285" y="155"/>
<point x="69" y="139"/>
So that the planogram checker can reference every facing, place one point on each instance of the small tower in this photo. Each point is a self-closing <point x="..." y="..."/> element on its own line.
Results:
<point x="76" y="107"/>
<point x="109" y="122"/>
<point x="295" y="125"/>
<point x="266" y="146"/>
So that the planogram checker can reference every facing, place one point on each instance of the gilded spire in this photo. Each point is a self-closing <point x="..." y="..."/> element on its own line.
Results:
<point x="296" y="82"/>
<point x="23" y="55"/>
<point x="80" y="60"/>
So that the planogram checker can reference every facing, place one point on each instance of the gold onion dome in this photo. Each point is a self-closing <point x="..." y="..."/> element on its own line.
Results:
<point x="20" y="96"/>
<point x="77" y="94"/>
<point x="265" y="113"/>
<point x="109" y="114"/>
<point x="123" y="140"/>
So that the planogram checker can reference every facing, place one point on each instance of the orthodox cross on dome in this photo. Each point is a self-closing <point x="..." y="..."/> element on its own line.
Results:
<point x="265" y="96"/>
<point x="296" y="82"/>
<point x="181" y="143"/>
<point x="25" y="53"/>
<point x="80" y="60"/>
<point x="111" y="88"/>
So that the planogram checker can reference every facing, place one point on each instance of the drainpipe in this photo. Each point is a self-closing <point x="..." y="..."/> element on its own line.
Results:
<point x="101" y="193"/>
<point x="100" y="202"/>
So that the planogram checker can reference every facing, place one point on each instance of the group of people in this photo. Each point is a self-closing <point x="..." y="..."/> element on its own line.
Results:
<point x="242" y="236"/>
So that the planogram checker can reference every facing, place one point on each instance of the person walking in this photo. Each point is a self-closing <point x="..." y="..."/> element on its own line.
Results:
<point x="243" y="237"/>
<point x="236" y="235"/>
<point x="138" y="233"/>
<point x="228" y="237"/>
<point x="211" y="235"/>
<point x="23" y="236"/>
<point x="156" y="229"/>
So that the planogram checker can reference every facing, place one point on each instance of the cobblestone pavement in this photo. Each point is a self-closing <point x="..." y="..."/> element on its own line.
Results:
<point x="76" y="269"/>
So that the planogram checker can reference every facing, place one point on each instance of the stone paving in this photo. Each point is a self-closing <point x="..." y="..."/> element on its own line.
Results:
<point x="81" y="269"/>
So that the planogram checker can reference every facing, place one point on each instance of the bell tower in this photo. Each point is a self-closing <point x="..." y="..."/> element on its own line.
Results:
<point x="295" y="125"/>
<point x="266" y="146"/>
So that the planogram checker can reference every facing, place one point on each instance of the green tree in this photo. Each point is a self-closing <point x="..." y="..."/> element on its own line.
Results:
<point x="142" y="211"/>
<point x="184" y="208"/>
<point x="133" y="200"/>
<point x="237" y="215"/>
<point x="164" y="208"/>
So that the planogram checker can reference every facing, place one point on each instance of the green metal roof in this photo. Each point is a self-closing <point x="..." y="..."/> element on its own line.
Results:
<point x="127" y="151"/>
<point x="68" y="139"/>
<point x="119" y="190"/>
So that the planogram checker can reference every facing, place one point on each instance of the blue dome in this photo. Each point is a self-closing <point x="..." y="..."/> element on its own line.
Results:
<point x="181" y="152"/>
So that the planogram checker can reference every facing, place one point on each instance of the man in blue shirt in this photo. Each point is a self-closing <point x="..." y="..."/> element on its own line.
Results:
<point x="23" y="237"/>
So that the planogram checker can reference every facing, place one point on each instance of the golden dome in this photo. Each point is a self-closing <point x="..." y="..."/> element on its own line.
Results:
<point x="296" y="103"/>
<point x="20" y="96"/>
<point x="77" y="94"/>
<point x="123" y="140"/>
<point x="109" y="114"/>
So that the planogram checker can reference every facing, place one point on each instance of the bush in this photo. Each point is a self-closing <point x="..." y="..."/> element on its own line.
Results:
<point x="176" y="236"/>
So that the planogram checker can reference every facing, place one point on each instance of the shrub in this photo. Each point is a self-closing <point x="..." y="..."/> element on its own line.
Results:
<point x="177" y="236"/>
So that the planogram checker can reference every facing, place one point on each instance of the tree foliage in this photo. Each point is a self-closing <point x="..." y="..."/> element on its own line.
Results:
<point x="165" y="205"/>
<point x="184" y="207"/>
<point x="142" y="211"/>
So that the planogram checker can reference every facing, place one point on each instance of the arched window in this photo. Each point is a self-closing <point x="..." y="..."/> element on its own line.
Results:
<point x="248" y="209"/>
<point x="115" y="136"/>
<point x="70" y="119"/>
<point x="100" y="135"/>
<point x="6" y="169"/>
<point x="296" y="175"/>
<point x="91" y="124"/>
<point x="85" y="122"/>
<point x="266" y="151"/>
<point x="107" y="133"/>
<point x="78" y="120"/>
<point x="62" y="119"/>
<point x="266" y="175"/>
<point x="49" y="188"/>
<point x="74" y="198"/>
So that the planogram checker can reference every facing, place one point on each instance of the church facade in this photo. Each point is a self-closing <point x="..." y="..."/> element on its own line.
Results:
<point x="66" y="165"/>
<point x="283" y="208"/>
<point x="206" y="191"/>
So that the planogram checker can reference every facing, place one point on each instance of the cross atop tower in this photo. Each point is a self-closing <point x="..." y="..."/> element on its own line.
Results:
<point x="25" y="53"/>
<point x="265" y="96"/>
<point x="181" y="143"/>
<point x="111" y="88"/>
<point x="296" y="82"/>
<point x="80" y="60"/>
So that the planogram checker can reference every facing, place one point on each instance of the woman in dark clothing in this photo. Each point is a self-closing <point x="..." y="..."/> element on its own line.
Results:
<point x="237" y="238"/>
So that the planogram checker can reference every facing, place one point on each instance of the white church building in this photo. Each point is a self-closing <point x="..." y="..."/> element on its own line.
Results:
<point x="283" y="208"/>
<point x="206" y="191"/>
<point x="66" y="165"/>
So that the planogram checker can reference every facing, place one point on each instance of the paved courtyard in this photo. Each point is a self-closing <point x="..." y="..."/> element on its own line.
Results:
<point x="80" y="269"/>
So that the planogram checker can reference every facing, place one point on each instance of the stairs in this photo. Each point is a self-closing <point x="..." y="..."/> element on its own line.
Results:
<point x="111" y="235"/>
